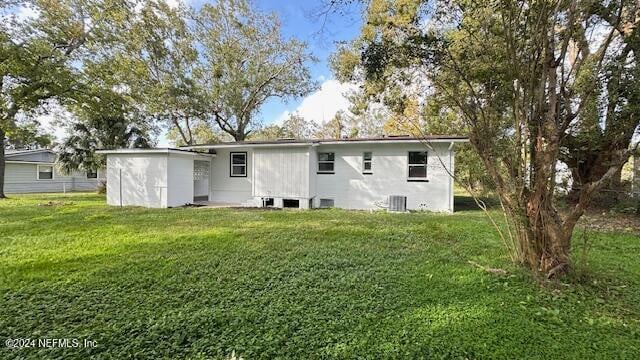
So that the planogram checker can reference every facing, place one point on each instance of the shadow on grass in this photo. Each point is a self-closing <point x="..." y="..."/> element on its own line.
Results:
<point x="466" y="203"/>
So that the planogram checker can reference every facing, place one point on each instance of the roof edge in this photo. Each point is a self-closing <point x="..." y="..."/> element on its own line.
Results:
<point x="310" y="142"/>
<point x="151" y="151"/>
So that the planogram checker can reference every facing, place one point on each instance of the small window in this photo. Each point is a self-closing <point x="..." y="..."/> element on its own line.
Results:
<point x="290" y="203"/>
<point x="367" y="158"/>
<point x="417" y="165"/>
<point x="238" y="164"/>
<point x="45" y="172"/>
<point x="326" y="163"/>
<point x="92" y="174"/>
<point x="267" y="202"/>
<point x="326" y="203"/>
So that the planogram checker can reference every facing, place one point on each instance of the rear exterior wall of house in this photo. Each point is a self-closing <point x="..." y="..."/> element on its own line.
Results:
<point x="294" y="173"/>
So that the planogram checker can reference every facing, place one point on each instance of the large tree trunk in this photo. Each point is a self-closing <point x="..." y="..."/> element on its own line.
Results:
<point x="2" y="165"/>
<point x="548" y="240"/>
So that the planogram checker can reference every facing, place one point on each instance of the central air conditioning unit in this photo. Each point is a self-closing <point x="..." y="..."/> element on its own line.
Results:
<point x="397" y="203"/>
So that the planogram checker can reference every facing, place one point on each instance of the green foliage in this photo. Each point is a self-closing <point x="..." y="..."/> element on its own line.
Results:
<point x="28" y="136"/>
<point x="334" y="128"/>
<point x="159" y="64"/>
<point x="298" y="127"/>
<point x="270" y="132"/>
<point x="77" y="152"/>
<point x="203" y="283"/>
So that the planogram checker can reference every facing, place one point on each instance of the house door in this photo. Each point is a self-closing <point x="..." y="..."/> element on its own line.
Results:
<point x="200" y="180"/>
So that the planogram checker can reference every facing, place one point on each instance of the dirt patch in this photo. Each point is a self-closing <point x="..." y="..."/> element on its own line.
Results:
<point x="56" y="203"/>
<point x="611" y="222"/>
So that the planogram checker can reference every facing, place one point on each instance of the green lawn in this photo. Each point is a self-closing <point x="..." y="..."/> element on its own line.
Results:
<point x="203" y="283"/>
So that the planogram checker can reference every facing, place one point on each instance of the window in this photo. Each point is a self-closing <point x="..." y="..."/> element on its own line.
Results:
<point x="290" y="203"/>
<point x="326" y="203"/>
<point x="367" y="157"/>
<point x="267" y="202"/>
<point x="418" y="165"/>
<point x="326" y="162"/>
<point x="92" y="174"/>
<point x="45" y="172"/>
<point x="238" y="164"/>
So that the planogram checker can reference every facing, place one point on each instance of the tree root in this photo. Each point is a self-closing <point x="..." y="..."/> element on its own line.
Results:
<point x="559" y="269"/>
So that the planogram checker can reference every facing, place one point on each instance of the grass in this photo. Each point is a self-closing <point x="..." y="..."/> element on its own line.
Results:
<point x="206" y="283"/>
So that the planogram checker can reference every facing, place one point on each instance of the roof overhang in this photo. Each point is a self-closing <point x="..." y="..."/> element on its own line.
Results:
<point x="308" y="143"/>
<point x="10" y="153"/>
<point x="249" y="145"/>
<point x="29" y="162"/>
<point x="165" y="151"/>
<point x="394" y="141"/>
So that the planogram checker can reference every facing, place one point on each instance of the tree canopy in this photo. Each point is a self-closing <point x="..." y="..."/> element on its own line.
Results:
<point x="244" y="62"/>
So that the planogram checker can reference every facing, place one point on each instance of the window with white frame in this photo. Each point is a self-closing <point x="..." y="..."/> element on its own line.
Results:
<point x="367" y="159"/>
<point x="91" y="174"/>
<point x="326" y="162"/>
<point x="417" y="165"/>
<point x="45" y="172"/>
<point x="238" y="166"/>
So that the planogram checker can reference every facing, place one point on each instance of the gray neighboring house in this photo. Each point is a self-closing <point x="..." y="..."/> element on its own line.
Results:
<point x="34" y="171"/>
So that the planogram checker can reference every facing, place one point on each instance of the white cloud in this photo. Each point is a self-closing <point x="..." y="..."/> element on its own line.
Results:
<point x="321" y="105"/>
<point x="174" y="3"/>
<point x="27" y="13"/>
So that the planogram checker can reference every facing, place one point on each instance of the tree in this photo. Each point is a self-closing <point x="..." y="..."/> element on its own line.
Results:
<point x="296" y="126"/>
<point x="521" y="75"/>
<point x="334" y="128"/>
<point x="37" y="54"/>
<point x="200" y="132"/>
<point x="245" y="62"/>
<point x="610" y="117"/>
<point x="105" y="120"/>
<point x="160" y="58"/>
<point x="27" y="136"/>
<point x="270" y="132"/>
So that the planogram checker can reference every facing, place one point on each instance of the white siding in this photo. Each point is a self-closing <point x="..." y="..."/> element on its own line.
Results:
<point x="281" y="172"/>
<point x="180" y="180"/>
<point x="227" y="189"/>
<point x="313" y="179"/>
<point x="353" y="190"/>
<point x="23" y="178"/>
<point x="141" y="179"/>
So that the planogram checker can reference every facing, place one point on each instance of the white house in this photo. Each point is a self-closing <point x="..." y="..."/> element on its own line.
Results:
<point x="347" y="173"/>
<point x="34" y="171"/>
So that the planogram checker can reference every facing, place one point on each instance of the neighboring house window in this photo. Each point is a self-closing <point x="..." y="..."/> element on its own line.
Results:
<point x="45" y="172"/>
<point x="92" y="174"/>
<point x="326" y="162"/>
<point x="238" y="164"/>
<point x="367" y="157"/>
<point x="418" y="165"/>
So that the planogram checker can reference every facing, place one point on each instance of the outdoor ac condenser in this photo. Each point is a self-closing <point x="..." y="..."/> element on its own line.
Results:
<point x="397" y="203"/>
